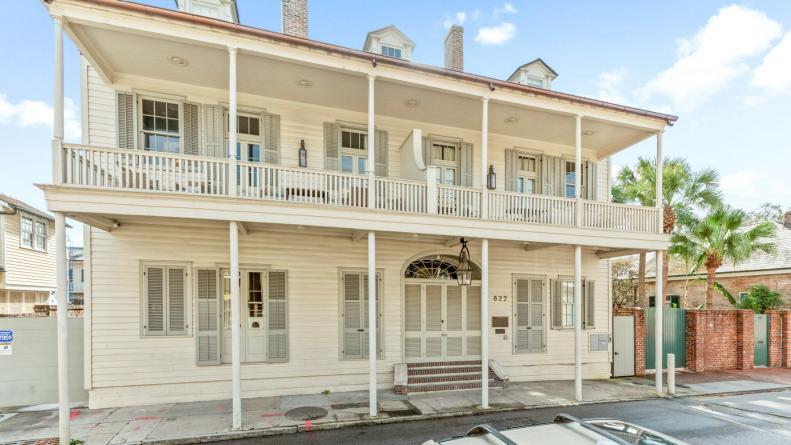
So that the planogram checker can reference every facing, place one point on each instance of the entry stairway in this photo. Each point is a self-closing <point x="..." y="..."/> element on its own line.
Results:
<point x="443" y="376"/>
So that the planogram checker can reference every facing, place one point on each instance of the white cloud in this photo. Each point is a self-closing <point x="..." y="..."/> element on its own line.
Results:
<point x="609" y="86"/>
<point x="461" y="17"/>
<point x="747" y="189"/>
<point x="774" y="73"/>
<point x="507" y="8"/>
<point x="497" y="34"/>
<point x="714" y="56"/>
<point x="32" y="113"/>
<point x="754" y="100"/>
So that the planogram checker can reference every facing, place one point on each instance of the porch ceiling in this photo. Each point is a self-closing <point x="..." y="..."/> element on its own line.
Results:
<point x="127" y="56"/>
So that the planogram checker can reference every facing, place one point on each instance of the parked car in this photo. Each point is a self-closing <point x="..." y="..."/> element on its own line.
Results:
<point x="567" y="430"/>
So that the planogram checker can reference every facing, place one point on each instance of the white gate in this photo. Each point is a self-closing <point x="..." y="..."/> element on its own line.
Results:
<point x="623" y="345"/>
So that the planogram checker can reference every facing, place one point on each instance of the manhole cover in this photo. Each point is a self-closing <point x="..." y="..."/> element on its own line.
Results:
<point x="306" y="413"/>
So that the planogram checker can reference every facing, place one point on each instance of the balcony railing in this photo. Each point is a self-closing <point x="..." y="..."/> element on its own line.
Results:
<point x="175" y="173"/>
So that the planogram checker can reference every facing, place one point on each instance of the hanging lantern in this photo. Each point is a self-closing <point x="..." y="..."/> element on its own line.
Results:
<point x="303" y="154"/>
<point x="464" y="271"/>
<point x="491" y="178"/>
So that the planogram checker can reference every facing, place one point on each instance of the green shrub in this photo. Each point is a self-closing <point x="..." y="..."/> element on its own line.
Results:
<point x="760" y="298"/>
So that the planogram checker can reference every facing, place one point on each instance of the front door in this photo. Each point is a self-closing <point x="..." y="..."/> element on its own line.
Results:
<point x="442" y="320"/>
<point x="529" y="314"/>
<point x="253" y="322"/>
<point x="761" y="330"/>
<point x="623" y="345"/>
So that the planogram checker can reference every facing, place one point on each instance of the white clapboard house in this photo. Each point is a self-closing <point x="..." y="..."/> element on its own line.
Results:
<point x="269" y="213"/>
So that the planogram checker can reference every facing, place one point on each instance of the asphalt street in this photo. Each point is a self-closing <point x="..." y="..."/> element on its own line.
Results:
<point x="758" y="418"/>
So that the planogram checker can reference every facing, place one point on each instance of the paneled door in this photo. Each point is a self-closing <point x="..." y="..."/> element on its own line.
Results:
<point x="529" y="314"/>
<point x="441" y="321"/>
<point x="252" y="292"/>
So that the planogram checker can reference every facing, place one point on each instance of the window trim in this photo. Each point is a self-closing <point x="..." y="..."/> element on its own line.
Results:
<point x="393" y="48"/>
<point x="356" y="154"/>
<point x="583" y="177"/>
<point x="34" y="219"/>
<point x="526" y="175"/>
<point x="560" y="279"/>
<point x="188" y="314"/>
<point x="139" y="115"/>
<point x="380" y="325"/>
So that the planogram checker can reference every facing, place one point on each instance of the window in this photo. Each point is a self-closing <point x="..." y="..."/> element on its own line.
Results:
<point x="391" y="52"/>
<point x="165" y="299"/>
<point x="534" y="81"/>
<point x="570" y="176"/>
<point x="444" y="157"/>
<point x="26" y="231"/>
<point x="563" y="314"/>
<point x="41" y="235"/>
<point x="248" y="125"/>
<point x="742" y="296"/>
<point x="161" y="129"/>
<point x="528" y="174"/>
<point x="567" y="303"/>
<point x="354" y="151"/>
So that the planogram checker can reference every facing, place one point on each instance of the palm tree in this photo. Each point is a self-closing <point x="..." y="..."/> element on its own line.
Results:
<point x="722" y="235"/>
<point x="683" y="191"/>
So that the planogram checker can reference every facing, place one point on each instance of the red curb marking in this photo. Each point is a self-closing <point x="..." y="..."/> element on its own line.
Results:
<point x="74" y="413"/>
<point x="307" y="425"/>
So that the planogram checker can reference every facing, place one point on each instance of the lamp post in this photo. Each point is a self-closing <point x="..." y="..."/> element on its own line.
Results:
<point x="491" y="178"/>
<point x="303" y="154"/>
<point x="464" y="271"/>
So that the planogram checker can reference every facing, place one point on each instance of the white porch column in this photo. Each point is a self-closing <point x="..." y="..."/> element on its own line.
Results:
<point x="236" y="328"/>
<point x="233" y="189"/>
<point x="578" y="170"/>
<point x="63" y="328"/>
<point x="659" y="295"/>
<point x="484" y="157"/>
<point x="373" y="410"/>
<point x="485" y="323"/>
<point x="371" y="145"/>
<point x="57" y="122"/>
<point x="578" y="323"/>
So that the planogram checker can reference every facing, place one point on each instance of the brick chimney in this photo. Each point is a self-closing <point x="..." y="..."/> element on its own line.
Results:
<point x="295" y="18"/>
<point x="454" y="48"/>
<point x="787" y="220"/>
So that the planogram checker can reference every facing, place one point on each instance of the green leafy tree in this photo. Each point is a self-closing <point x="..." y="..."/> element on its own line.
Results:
<point x="760" y="298"/>
<point x="683" y="191"/>
<point x="721" y="235"/>
<point x="624" y="283"/>
<point x="767" y="212"/>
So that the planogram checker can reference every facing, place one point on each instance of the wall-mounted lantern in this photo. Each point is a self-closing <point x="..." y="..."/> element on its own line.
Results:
<point x="491" y="178"/>
<point x="303" y="154"/>
<point x="464" y="271"/>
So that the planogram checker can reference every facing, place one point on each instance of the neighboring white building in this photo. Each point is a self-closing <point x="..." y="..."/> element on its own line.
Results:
<point x="27" y="257"/>
<point x="76" y="276"/>
<point x="343" y="164"/>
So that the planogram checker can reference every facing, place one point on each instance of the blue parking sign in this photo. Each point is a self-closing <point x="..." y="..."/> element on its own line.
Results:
<point x="6" y="336"/>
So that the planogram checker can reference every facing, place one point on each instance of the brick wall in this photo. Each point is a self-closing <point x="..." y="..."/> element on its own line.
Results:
<point x="696" y="291"/>
<point x="719" y="339"/>
<point x="775" y="337"/>
<point x="295" y="17"/>
<point x="785" y="319"/>
<point x="454" y="48"/>
<point x="639" y="336"/>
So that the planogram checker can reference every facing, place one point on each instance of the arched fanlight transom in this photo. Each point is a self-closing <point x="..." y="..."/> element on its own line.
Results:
<point x="437" y="267"/>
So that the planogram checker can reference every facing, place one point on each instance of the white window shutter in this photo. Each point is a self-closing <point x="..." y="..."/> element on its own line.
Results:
<point x="214" y="131"/>
<point x="191" y="129"/>
<point x="154" y="301"/>
<point x="589" y="301"/>
<point x="177" y="301"/>
<point x="270" y="124"/>
<point x="521" y="315"/>
<point x="465" y="164"/>
<point x="353" y="326"/>
<point x="557" y="303"/>
<point x="125" y="123"/>
<point x="332" y="134"/>
<point x="381" y="153"/>
<point x="511" y="170"/>
<point x="277" y="308"/>
<point x="208" y="323"/>
<point x="428" y="155"/>
<point x="591" y="180"/>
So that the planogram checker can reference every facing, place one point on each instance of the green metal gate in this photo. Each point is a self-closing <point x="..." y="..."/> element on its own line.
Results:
<point x="674" y="328"/>
<point x="761" y="344"/>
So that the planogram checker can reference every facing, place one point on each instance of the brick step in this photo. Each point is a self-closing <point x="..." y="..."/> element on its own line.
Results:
<point x="443" y="370"/>
<point x="442" y="378"/>
<point x="431" y="387"/>
<point x="446" y="363"/>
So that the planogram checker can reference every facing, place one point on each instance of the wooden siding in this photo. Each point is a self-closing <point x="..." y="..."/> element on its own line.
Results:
<point x="128" y="369"/>
<point x="28" y="268"/>
<point x="101" y="114"/>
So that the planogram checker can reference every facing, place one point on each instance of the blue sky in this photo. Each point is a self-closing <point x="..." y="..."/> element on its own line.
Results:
<point x="723" y="67"/>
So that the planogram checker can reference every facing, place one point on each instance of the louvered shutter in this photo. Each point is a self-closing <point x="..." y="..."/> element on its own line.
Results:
<point x="473" y="320"/>
<point x="511" y="170"/>
<point x="177" y="301"/>
<point x="154" y="287"/>
<point x="381" y="153"/>
<point x="589" y="305"/>
<point x="332" y="133"/>
<point x="125" y="123"/>
<point x="412" y="321"/>
<point x="191" y="129"/>
<point x="428" y="159"/>
<point x="552" y="175"/>
<point x="522" y="315"/>
<point x="591" y="180"/>
<point x="352" y="317"/>
<point x="278" y="317"/>
<point x="556" y="303"/>
<point x="208" y="323"/>
<point x="270" y="124"/>
<point x="364" y="310"/>
<point x="465" y="164"/>
<point x="215" y="131"/>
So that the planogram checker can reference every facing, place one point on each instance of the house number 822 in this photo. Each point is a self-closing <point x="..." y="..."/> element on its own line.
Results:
<point x="500" y="298"/>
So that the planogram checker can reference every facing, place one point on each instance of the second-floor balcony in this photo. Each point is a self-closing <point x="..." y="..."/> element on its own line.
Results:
<point x="137" y="170"/>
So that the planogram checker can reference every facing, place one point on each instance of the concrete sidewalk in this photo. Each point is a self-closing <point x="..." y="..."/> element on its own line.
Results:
<point x="206" y="421"/>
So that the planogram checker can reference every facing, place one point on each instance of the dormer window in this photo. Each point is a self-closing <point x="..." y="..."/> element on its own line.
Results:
<point x="534" y="81"/>
<point x="391" y="52"/>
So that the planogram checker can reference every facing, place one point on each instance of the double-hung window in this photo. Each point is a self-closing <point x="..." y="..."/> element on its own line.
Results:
<point x="165" y="309"/>
<point x="354" y="151"/>
<point x="528" y="174"/>
<point x="391" y="51"/>
<point x="445" y="155"/>
<point x="570" y="176"/>
<point x="26" y="231"/>
<point x="563" y="310"/>
<point x="41" y="235"/>
<point x="161" y="125"/>
<point x="33" y="232"/>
